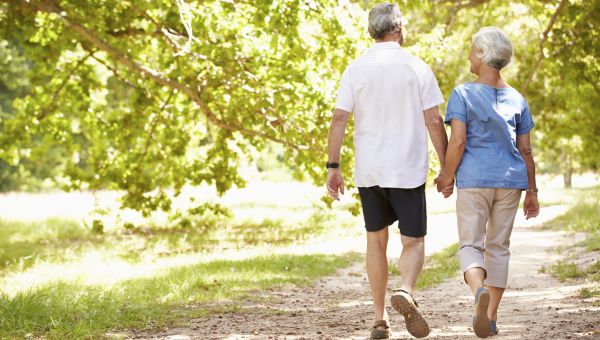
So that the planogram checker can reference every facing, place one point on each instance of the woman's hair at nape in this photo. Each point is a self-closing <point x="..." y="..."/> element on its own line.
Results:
<point x="494" y="47"/>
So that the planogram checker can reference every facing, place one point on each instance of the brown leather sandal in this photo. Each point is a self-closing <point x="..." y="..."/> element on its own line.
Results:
<point x="404" y="303"/>
<point x="378" y="333"/>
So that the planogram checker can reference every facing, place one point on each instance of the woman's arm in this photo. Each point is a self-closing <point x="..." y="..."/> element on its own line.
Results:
<point x="456" y="148"/>
<point x="531" y="207"/>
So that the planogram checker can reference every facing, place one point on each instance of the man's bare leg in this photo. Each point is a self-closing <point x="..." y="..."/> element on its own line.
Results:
<point x="377" y="270"/>
<point x="411" y="261"/>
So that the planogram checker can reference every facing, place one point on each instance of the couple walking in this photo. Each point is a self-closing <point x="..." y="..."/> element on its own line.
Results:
<point x="394" y="98"/>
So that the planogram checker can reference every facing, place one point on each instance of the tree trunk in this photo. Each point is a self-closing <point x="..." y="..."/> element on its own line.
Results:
<point x="567" y="178"/>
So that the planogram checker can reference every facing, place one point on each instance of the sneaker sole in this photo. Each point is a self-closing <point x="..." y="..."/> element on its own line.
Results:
<point x="481" y="323"/>
<point x="415" y="322"/>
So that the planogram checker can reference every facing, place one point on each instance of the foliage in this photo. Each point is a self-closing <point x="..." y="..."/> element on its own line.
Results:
<point x="148" y="97"/>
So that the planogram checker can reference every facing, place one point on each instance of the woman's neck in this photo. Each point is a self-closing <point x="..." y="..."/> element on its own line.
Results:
<point x="490" y="76"/>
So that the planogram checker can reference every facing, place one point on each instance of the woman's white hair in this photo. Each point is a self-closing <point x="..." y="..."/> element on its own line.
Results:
<point x="383" y="19"/>
<point x="495" y="47"/>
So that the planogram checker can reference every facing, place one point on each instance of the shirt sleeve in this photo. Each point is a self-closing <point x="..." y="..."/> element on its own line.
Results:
<point x="430" y="92"/>
<point x="345" y="96"/>
<point x="525" y="124"/>
<point x="457" y="108"/>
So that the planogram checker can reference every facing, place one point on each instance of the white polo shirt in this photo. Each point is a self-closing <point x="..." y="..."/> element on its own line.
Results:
<point x="388" y="89"/>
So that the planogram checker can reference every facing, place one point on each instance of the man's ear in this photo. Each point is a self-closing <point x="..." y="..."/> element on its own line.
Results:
<point x="401" y="35"/>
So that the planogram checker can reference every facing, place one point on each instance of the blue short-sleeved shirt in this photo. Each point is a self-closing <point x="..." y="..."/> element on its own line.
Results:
<point x="494" y="117"/>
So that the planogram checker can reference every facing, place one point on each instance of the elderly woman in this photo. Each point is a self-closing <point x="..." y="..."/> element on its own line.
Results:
<point x="489" y="151"/>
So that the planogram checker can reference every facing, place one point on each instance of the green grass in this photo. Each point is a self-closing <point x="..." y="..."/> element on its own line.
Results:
<point x="582" y="216"/>
<point x="74" y="308"/>
<point x="439" y="267"/>
<point x="24" y="243"/>
<point x="566" y="270"/>
<point x="62" y="310"/>
<point x="591" y="293"/>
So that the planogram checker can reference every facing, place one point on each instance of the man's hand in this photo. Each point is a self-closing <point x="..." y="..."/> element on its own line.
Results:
<point x="531" y="207"/>
<point x="445" y="185"/>
<point x="335" y="183"/>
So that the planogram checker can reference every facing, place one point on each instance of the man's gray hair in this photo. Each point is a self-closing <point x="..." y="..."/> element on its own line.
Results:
<point x="383" y="19"/>
<point x="496" y="49"/>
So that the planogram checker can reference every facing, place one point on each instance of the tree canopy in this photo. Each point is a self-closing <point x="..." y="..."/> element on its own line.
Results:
<point x="150" y="96"/>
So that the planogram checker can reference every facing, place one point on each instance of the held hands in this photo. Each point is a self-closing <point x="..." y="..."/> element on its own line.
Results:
<point x="531" y="207"/>
<point x="445" y="184"/>
<point x="335" y="183"/>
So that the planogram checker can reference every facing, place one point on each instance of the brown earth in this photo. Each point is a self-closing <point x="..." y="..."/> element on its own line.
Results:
<point x="535" y="306"/>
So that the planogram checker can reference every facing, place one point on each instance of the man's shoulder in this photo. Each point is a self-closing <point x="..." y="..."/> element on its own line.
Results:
<point x="360" y="60"/>
<point x="416" y="63"/>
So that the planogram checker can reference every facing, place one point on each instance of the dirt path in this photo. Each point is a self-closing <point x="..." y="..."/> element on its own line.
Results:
<point x="535" y="305"/>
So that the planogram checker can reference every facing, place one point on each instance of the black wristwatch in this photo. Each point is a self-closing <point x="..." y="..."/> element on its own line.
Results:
<point x="332" y="165"/>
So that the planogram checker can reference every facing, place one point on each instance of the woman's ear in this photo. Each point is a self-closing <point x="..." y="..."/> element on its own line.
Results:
<point x="479" y="53"/>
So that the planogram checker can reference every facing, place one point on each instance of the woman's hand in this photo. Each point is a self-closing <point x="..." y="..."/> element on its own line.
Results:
<point x="531" y="207"/>
<point x="445" y="184"/>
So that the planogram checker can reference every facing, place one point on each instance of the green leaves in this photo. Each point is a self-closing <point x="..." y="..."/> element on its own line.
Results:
<point x="147" y="97"/>
<point x="150" y="96"/>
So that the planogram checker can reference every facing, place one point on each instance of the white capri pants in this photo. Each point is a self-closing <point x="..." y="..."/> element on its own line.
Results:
<point x="485" y="222"/>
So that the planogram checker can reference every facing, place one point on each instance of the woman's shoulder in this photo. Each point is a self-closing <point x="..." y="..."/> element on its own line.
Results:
<point x="474" y="88"/>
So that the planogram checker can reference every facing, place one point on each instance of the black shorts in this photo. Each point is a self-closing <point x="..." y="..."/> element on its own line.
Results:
<point x="384" y="206"/>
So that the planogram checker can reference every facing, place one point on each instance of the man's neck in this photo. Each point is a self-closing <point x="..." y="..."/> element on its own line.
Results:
<point x="389" y="38"/>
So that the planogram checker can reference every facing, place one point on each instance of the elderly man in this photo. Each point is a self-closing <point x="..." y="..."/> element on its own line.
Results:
<point x="394" y="97"/>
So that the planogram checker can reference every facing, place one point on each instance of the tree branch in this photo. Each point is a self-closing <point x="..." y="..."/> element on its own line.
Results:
<point x="542" y="42"/>
<point x="156" y="76"/>
<point x="463" y="4"/>
<point x="66" y="79"/>
<point x="115" y="72"/>
<point x="590" y="81"/>
<point x="153" y="128"/>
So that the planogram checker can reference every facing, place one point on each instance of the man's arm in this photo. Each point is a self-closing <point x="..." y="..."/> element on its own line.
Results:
<point x="437" y="133"/>
<point x="335" y="139"/>
<point x="336" y="134"/>
<point x="531" y="207"/>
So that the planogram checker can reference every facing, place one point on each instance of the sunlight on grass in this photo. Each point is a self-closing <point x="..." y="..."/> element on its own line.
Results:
<point x="582" y="216"/>
<point x="439" y="267"/>
<point x="565" y="270"/>
<point x="23" y="243"/>
<point x="62" y="309"/>
<point x="592" y="293"/>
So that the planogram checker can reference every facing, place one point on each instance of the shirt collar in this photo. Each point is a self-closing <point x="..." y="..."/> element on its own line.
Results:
<point x="384" y="46"/>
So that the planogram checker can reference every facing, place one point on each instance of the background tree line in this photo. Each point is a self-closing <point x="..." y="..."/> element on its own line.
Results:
<point x="150" y="96"/>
